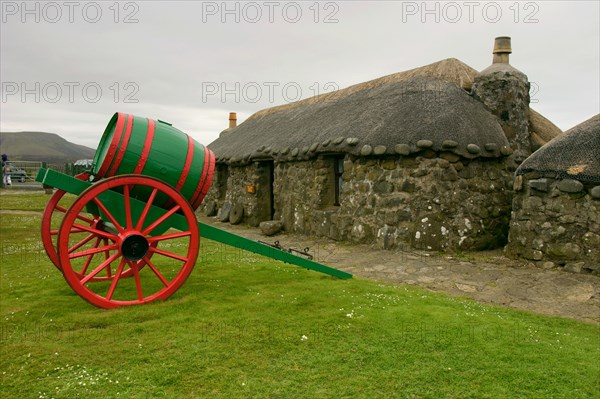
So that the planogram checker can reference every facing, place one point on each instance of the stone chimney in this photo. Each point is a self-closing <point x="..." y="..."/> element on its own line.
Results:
<point x="505" y="92"/>
<point x="232" y="119"/>
<point x="501" y="50"/>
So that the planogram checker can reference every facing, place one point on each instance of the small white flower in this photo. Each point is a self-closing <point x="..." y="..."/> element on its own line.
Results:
<point x="304" y="338"/>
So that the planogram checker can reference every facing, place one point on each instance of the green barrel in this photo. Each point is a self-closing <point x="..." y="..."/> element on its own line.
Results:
<point x="133" y="144"/>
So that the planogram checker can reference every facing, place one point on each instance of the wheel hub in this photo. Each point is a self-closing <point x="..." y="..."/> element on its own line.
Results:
<point x="135" y="247"/>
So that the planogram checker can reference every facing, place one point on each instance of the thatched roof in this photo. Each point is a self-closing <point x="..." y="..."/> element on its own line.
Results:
<point x="541" y="129"/>
<point x="450" y="70"/>
<point x="573" y="155"/>
<point x="391" y="114"/>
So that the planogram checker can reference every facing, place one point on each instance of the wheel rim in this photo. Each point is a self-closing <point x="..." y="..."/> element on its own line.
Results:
<point x="53" y="215"/>
<point x="135" y="230"/>
<point x="53" y="212"/>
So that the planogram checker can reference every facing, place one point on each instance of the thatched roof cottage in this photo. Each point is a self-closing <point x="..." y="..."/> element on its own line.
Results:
<point x="556" y="212"/>
<point x="423" y="157"/>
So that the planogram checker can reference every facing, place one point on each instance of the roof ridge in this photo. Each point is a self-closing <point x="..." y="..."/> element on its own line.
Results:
<point x="463" y="75"/>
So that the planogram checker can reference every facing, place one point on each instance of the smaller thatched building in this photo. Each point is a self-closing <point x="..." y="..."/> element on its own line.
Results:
<point x="556" y="209"/>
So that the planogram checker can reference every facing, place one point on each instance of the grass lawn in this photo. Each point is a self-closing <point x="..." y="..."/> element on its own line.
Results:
<point x="243" y="326"/>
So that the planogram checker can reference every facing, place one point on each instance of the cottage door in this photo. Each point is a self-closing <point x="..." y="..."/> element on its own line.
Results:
<point x="266" y="203"/>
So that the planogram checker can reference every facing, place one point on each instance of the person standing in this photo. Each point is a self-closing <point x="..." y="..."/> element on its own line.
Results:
<point x="6" y="180"/>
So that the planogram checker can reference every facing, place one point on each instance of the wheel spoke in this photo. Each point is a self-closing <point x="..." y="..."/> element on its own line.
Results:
<point x="144" y="214"/>
<point x="90" y="257"/>
<point x="169" y="254"/>
<point x="93" y="251"/>
<point x="87" y="220"/>
<point x="106" y="256"/>
<point x="138" y="283"/>
<point x="115" y="280"/>
<point x="81" y="243"/>
<point x="55" y="232"/>
<point x="126" y="195"/>
<point x="60" y="208"/>
<point x="81" y="228"/>
<point x="99" y="268"/>
<point x="108" y="214"/>
<point x="169" y="236"/>
<point x="160" y="220"/>
<point x="158" y="274"/>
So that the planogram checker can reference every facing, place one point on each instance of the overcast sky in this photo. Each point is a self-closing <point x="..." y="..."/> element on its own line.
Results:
<point x="66" y="67"/>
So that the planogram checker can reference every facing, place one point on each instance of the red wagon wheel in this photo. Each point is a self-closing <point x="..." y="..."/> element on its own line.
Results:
<point x="53" y="214"/>
<point x="135" y="229"/>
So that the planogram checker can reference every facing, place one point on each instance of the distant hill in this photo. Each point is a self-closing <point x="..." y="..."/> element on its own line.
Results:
<point x="40" y="146"/>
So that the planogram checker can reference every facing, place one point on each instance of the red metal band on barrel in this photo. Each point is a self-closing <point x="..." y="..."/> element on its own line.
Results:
<point x="198" y="191"/>
<point x="112" y="148"/>
<point x="147" y="145"/>
<point x="188" y="164"/>
<point x="122" y="148"/>
<point x="209" y="165"/>
<point x="207" y="182"/>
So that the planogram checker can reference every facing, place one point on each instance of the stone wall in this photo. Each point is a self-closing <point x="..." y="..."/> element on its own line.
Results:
<point x="304" y="197"/>
<point x="446" y="203"/>
<point x="440" y="202"/>
<point x="238" y="178"/>
<point x="443" y="202"/>
<point x="557" y="223"/>
<point x="505" y="92"/>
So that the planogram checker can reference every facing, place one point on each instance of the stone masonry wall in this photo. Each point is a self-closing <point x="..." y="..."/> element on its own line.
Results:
<point x="445" y="203"/>
<point x="301" y="195"/>
<point x="239" y="177"/>
<point x="505" y="93"/>
<point x="556" y="222"/>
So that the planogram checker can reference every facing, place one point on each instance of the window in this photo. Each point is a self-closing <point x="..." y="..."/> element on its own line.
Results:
<point x="329" y="169"/>
<point x="338" y="170"/>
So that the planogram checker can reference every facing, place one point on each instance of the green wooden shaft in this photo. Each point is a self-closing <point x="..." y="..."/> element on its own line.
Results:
<point x="74" y="186"/>
<point x="236" y="241"/>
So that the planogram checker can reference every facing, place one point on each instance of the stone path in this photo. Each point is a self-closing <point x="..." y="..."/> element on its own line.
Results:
<point x="486" y="276"/>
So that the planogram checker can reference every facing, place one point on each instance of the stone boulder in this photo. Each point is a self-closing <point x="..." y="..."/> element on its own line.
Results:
<point x="211" y="208"/>
<point x="223" y="214"/>
<point x="271" y="227"/>
<point x="237" y="213"/>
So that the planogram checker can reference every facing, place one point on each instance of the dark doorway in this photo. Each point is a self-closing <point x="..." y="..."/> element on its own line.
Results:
<point x="222" y="177"/>
<point x="266" y="199"/>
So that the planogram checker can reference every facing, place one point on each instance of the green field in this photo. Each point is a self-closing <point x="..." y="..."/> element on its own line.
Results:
<point x="243" y="326"/>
